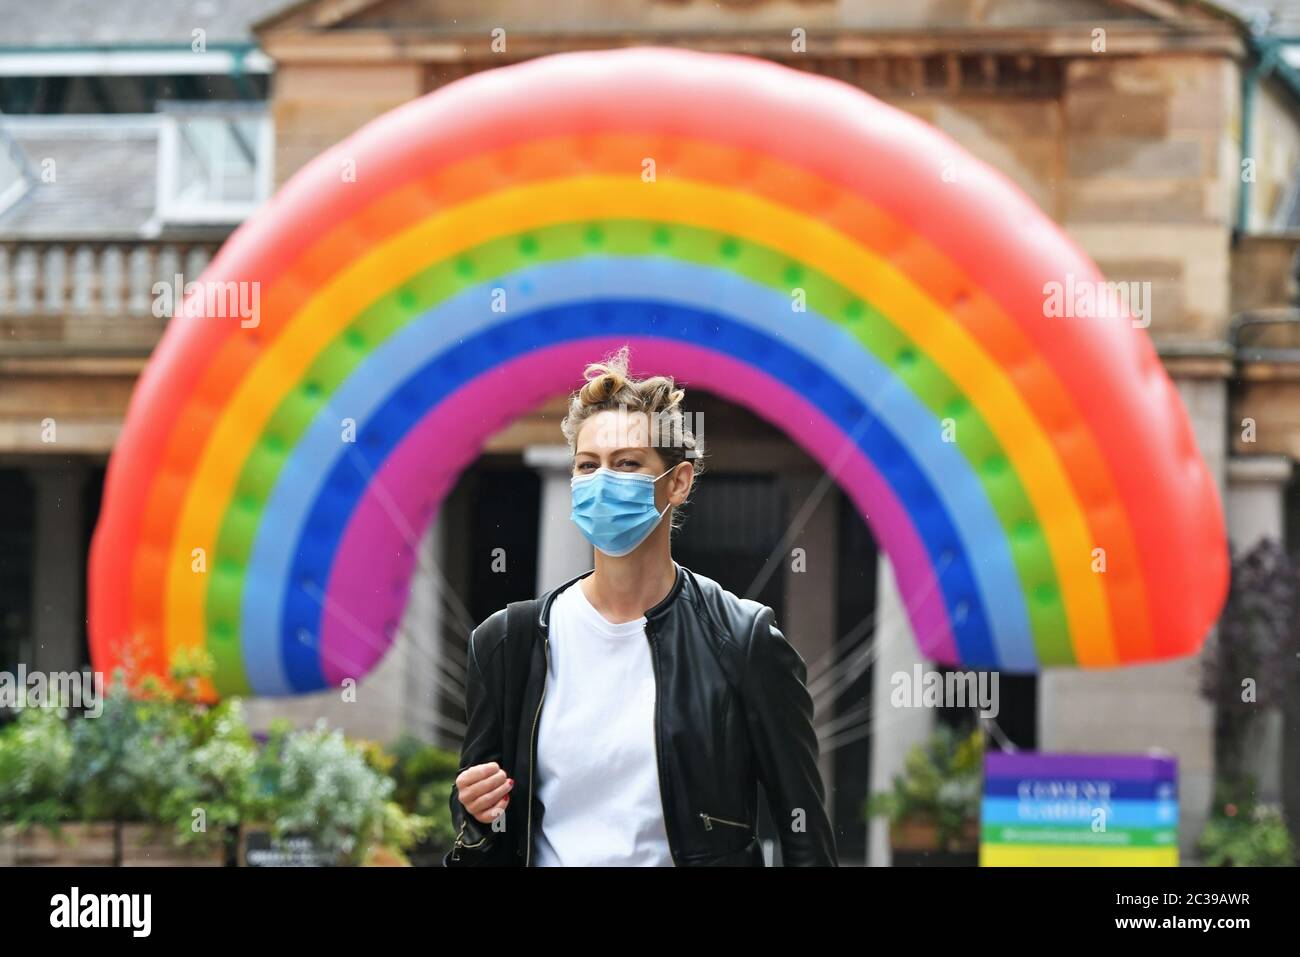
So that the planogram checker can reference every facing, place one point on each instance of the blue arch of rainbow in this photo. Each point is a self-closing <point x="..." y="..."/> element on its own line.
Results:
<point x="638" y="298"/>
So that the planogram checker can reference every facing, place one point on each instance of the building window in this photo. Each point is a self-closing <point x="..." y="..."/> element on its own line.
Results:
<point x="214" y="161"/>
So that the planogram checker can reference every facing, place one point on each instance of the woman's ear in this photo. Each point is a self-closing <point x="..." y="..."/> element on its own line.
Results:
<point x="682" y="479"/>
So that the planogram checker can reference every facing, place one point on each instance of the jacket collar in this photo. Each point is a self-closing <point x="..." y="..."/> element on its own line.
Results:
<point x="678" y="584"/>
<point x="544" y="606"/>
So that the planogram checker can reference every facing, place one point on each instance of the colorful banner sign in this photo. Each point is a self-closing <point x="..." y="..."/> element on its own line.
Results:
<point x="1079" y="810"/>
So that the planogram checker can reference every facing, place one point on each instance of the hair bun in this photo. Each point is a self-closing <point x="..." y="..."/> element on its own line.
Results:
<point x="604" y="379"/>
<point x="601" y="387"/>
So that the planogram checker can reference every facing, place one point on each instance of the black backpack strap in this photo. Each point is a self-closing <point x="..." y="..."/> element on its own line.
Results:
<point x="520" y="635"/>
<point x="520" y="631"/>
<point x="519" y="621"/>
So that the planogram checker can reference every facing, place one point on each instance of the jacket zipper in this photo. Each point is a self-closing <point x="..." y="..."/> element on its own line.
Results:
<point x="460" y="839"/>
<point x="654" y="651"/>
<point x="709" y="819"/>
<point x="532" y="758"/>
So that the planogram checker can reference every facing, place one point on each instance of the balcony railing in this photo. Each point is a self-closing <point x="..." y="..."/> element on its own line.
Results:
<point x="92" y="297"/>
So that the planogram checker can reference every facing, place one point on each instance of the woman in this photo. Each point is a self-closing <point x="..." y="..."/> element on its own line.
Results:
<point x="629" y="716"/>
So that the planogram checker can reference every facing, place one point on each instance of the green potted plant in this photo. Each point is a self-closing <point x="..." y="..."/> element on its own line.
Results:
<point x="128" y="767"/>
<point x="934" y="806"/>
<point x="200" y="816"/>
<point x="150" y="779"/>
<point x="195" y="820"/>
<point x="422" y="774"/>
<point x="1242" y="832"/>
<point x="317" y="797"/>
<point x="160" y="776"/>
<point x="36" y="800"/>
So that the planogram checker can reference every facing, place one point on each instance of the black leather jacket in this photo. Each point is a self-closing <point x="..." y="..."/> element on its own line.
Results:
<point x="732" y="712"/>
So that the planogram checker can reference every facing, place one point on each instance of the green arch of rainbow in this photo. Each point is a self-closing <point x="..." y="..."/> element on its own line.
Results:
<point x="782" y="239"/>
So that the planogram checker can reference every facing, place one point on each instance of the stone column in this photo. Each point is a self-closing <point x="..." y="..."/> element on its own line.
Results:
<point x="562" y="552"/>
<point x="1256" y="507"/>
<point x="894" y="731"/>
<point x="58" y="574"/>
<point x="422" y="626"/>
<point x="1256" y="501"/>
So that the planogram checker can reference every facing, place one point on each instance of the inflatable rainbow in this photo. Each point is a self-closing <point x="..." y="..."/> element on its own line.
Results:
<point x="780" y="239"/>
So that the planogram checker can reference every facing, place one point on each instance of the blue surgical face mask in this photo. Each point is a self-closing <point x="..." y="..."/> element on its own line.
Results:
<point x="616" y="511"/>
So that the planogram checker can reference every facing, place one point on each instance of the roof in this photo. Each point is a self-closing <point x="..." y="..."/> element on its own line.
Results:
<point x="580" y="17"/>
<point x="82" y="23"/>
<point x="125" y="23"/>
<point x="76" y="205"/>
<point x="1276" y="17"/>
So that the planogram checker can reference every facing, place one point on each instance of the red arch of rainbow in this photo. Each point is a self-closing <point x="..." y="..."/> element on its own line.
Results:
<point x="1069" y="434"/>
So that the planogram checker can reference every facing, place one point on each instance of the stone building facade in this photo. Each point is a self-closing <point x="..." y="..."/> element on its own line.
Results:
<point x="1164" y="136"/>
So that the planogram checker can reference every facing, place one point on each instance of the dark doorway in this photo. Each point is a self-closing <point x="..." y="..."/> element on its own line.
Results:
<point x="730" y="528"/>
<point x="502" y="558"/>
<point x="17" y="558"/>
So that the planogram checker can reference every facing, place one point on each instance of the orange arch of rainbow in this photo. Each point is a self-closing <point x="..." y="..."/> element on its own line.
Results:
<point x="778" y="238"/>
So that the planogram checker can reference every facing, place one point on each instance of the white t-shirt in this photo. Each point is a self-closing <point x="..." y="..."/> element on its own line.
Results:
<point x="596" y="767"/>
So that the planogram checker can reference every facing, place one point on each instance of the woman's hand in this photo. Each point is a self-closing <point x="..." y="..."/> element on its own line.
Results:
<point x="484" y="790"/>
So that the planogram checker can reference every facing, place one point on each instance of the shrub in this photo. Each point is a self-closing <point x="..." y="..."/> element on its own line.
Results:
<point x="423" y="775"/>
<point x="158" y="754"/>
<point x="316" y="783"/>
<point x="941" y="783"/>
<point x="1243" y="833"/>
<point x="35" y="763"/>
<point x="217" y="777"/>
<point x="127" y="762"/>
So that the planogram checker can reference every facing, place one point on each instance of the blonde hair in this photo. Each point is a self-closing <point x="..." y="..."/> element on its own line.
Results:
<point x="610" y="387"/>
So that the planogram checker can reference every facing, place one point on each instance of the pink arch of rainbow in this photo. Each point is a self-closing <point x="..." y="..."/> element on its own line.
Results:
<point x="371" y="559"/>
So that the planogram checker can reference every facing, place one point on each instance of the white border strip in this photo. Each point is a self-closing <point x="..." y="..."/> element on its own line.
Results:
<point x="131" y="63"/>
